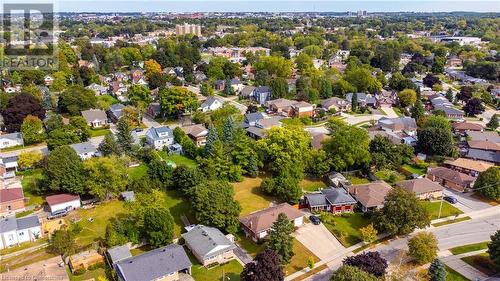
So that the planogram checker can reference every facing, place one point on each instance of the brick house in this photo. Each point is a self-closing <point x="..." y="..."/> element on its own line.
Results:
<point x="450" y="178"/>
<point x="334" y="200"/>
<point x="424" y="188"/>
<point x="468" y="166"/>
<point x="11" y="200"/>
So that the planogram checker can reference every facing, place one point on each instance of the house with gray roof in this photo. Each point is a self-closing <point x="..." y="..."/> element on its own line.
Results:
<point x="95" y="118"/>
<point x="14" y="231"/>
<point x="115" y="111"/>
<point x="85" y="150"/>
<point x="166" y="263"/>
<point x="334" y="200"/>
<point x="364" y="100"/>
<point x="10" y="140"/>
<point x="252" y="118"/>
<point x="211" y="104"/>
<point x="209" y="245"/>
<point x="118" y="253"/>
<point x="484" y="155"/>
<point x="262" y="94"/>
<point x="159" y="137"/>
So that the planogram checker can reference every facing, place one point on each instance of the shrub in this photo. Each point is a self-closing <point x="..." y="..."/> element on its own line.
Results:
<point x="79" y="271"/>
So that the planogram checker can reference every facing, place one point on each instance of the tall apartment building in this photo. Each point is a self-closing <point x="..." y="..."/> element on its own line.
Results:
<point x="183" y="29"/>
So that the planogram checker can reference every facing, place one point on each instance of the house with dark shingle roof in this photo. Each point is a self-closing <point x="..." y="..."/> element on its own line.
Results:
<point x="11" y="200"/>
<point x="95" y="118"/>
<point x="10" y="140"/>
<point x="14" y="231"/>
<point x="450" y="178"/>
<point x="165" y="263"/>
<point x="118" y="253"/>
<point x="115" y="111"/>
<point x="209" y="245"/>
<point x="334" y="200"/>
<point x="85" y="150"/>
<point x="197" y="132"/>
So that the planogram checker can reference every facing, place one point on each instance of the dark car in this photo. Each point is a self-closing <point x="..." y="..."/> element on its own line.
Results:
<point x="450" y="199"/>
<point x="314" y="219"/>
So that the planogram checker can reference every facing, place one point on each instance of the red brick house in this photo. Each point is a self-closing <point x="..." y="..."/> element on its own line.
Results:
<point x="334" y="200"/>
<point x="450" y="178"/>
<point x="11" y="200"/>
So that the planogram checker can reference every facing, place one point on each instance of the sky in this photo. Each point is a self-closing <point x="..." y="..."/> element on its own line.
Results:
<point x="275" y="6"/>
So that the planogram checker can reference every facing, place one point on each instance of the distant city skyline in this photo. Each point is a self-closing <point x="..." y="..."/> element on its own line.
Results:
<point x="191" y="6"/>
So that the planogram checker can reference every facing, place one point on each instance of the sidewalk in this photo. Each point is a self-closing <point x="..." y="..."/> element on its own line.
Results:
<point x="456" y="263"/>
<point x="473" y="215"/>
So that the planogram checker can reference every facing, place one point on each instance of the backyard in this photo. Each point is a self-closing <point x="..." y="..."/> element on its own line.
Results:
<point x="413" y="169"/>
<point x="356" y="179"/>
<point x="447" y="210"/>
<point x="312" y="184"/>
<point x="346" y="227"/>
<point x="250" y="197"/>
<point x="230" y="271"/>
<point x="177" y="159"/>
<point x="29" y="182"/>
<point x="87" y="275"/>
<point x="389" y="176"/>
<point x="99" y="132"/>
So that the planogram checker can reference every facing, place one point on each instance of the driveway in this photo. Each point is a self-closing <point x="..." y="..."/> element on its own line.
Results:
<point x="466" y="203"/>
<point x="318" y="240"/>
<point x="390" y="112"/>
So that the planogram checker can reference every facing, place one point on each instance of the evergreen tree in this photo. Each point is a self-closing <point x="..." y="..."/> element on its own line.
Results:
<point x="229" y="132"/>
<point x="493" y="123"/>
<point x="437" y="271"/>
<point x="494" y="248"/>
<point x="417" y="111"/>
<point x="354" y="102"/>
<point x="109" y="146"/>
<point x="449" y="94"/>
<point x="124" y="136"/>
<point x="228" y="89"/>
<point x="212" y="138"/>
<point x="280" y="238"/>
<point x="252" y="167"/>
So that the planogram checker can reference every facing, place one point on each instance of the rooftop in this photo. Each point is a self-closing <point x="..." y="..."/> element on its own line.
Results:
<point x="61" y="198"/>
<point x="420" y="186"/>
<point x="207" y="241"/>
<point x="264" y="219"/>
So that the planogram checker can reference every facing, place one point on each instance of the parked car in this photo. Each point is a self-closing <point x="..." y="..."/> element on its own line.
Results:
<point x="314" y="219"/>
<point x="450" y="199"/>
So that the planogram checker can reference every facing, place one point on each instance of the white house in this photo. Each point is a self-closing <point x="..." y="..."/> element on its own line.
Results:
<point x="85" y="150"/>
<point x="63" y="201"/>
<point x="159" y="137"/>
<point x="10" y="140"/>
<point x="14" y="231"/>
<point x="211" y="104"/>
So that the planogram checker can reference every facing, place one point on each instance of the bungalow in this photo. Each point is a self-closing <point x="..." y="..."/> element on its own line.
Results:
<point x="406" y="125"/>
<point x="468" y="166"/>
<point x="84" y="260"/>
<point x="257" y="225"/>
<point x="85" y="150"/>
<point x="247" y="92"/>
<point x="370" y="196"/>
<point x="159" y="137"/>
<point x="60" y="202"/>
<point x="197" y="132"/>
<point x="450" y="178"/>
<point x="118" y="253"/>
<point x="169" y="263"/>
<point x="484" y="136"/>
<point x="11" y="200"/>
<point x="95" y="118"/>
<point x="236" y="85"/>
<point x="302" y="109"/>
<point x="464" y="127"/>
<point x="334" y="200"/>
<point x="424" y="188"/>
<point x="364" y="100"/>
<point x="451" y="112"/>
<point x="14" y="231"/>
<point x="337" y="104"/>
<point x="262" y="94"/>
<point x="280" y="106"/>
<point x="209" y="245"/>
<point x="258" y="131"/>
<point x="251" y="119"/>
<point x="115" y="111"/>
<point x="212" y="103"/>
<point x="98" y="89"/>
<point x="11" y="140"/>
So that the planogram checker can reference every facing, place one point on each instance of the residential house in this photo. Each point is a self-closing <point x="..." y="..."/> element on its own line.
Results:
<point x="468" y="166"/>
<point x="451" y="112"/>
<point x="337" y="104"/>
<point x="484" y="146"/>
<point x="247" y="92"/>
<point x="465" y="127"/>
<point x="95" y="118"/>
<point x="398" y="124"/>
<point x="454" y="62"/>
<point x="85" y="150"/>
<point x="484" y="136"/>
<point x="137" y="77"/>
<point x="262" y="94"/>
<point x="98" y="89"/>
<point x="169" y="71"/>
<point x="212" y="103"/>
<point x="450" y="178"/>
<point x="257" y="225"/>
<point x="484" y="155"/>
<point x="364" y="100"/>
<point x="118" y="253"/>
<point x="64" y="201"/>
<point x="209" y="245"/>
<point x="14" y="231"/>
<point x="386" y="98"/>
<point x="334" y="200"/>
<point x="236" y="85"/>
<point x="115" y="111"/>
<point x="8" y="167"/>
<point x="153" y="110"/>
<point x="169" y="263"/>
<point x="84" y="259"/>
<point x="11" y="200"/>
<point x="280" y="106"/>
<point x="220" y="85"/>
<point x="252" y="118"/>
<point x="11" y="140"/>
<point x="159" y="137"/>
<point x="302" y="109"/>
<point x="118" y="89"/>
<point x="424" y="188"/>
<point x="196" y="132"/>
<point x="370" y="196"/>
<point x="258" y="131"/>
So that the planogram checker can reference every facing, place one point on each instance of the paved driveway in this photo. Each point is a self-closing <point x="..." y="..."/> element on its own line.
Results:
<point x="318" y="240"/>
<point x="466" y="203"/>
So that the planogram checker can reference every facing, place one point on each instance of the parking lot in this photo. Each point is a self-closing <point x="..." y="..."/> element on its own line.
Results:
<point x="466" y="203"/>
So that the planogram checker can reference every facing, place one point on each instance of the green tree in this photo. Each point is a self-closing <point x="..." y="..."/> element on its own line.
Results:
<point x="417" y="110"/>
<point x="139" y="95"/>
<point x="279" y="88"/>
<point x="28" y="159"/>
<point x="354" y="102"/>
<point x="60" y="137"/>
<point x="275" y="66"/>
<point x="362" y="79"/>
<point x="79" y="126"/>
<point x="407" y="97"/>
<point x="124" y="136"/>
<point x="493" y="123"/>
<point x="214" y="205"/>
<point x="62" y="242"/>
<point x="109" y="146"/>
<point x="423" y="247"/>
<point x="32" y="130"/>
<point x="280" y="238"/>
<point x="65" y="171"/>
<point x="449" y="95"/>
<point x="402" y="213"/>
<point x="368" y="233"/>
<point x="488" y="183"/>
<point x="75" y="99"/>
<point x="158" y="226"/>
<point x="352" y="273"/>
<point x="435" y="136"/>
<point x="341" y="88"/>
<point x="106" y="176"/>
<point x="494" y="248"/>
<point x="206" y="89"/>
<point x="437" y="270"/>
<point x="177" y="100"/>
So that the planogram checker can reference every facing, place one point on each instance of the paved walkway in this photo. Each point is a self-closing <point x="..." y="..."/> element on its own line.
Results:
<point x="456" y="262"/>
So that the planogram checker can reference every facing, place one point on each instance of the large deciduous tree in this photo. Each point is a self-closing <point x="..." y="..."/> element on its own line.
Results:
<point x="265" y="266"/>
<point x="488" y="183"/>
<point x="423" y="247"/>
<point x="473" y="107"/>
<point x="158" y="226"/>
<point x="18" y="108"/>
<point x="352" y="273"/>
<point x="75" y="99"/>
<point x="407" y="97"/>
<point x="435" y="136"/>
<point x="106" y="176"/>
<point x="177" y="100"/>
<point x="65" y="171"/>
<point x="370" y="262"/>
<point x="32" y="130"/>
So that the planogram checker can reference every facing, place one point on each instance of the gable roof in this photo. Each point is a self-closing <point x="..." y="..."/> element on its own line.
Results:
<point x="478" y="166"/>
<point x="195" y="130"/>
<point x="12" y="223"/>
<point x="94" y="114"/>
<point x="451" y="175"/>
<point x="420" y="186"/>
<point x="327" y="103"/>
<point x="207" y="241"/>
<point x="371" y="194"/>
<point x="485" y="155"/>
<point x="12" y="136"/>
<point x="119" y="253"/>
<point x="247" y="91"/>
<point x="11" y="194"/>
<point x="210" y="101"/>
<point x="398" y="123"/>
<point x="154" y="133"/>
<point x="484" y="136"/>
<point x="154" y="264"/>
<point x="84" y="147"/>
<point x="264" y="219"/>
<point x="254" y="116"/>
<point x="280" y="103"/>
<point x="467" y="126"/>
<point x="484" y="145"/>
<point x="61" y="198"/>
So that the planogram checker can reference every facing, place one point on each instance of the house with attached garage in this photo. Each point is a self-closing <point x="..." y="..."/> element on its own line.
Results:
<point x="211" y="104"/>
<point x="85" y="150"/>
<point x="11" y="140"/>
<point x="337" y="104"/>
<point x="450" y="178"/>
<point x="257" y="224"/>
<point x="63" y="202"/>
<point x="209" y="245"/>
<point x="169" y="263"/>
<point x="95" y="118"/>
<point x="333" y="200"/>
<point x="14" y="231"/>
<point x="159" y="137"/>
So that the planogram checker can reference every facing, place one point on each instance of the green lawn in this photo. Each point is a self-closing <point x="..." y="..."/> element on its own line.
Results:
<point x="469" y="248"/>
<point x="346" y="227"/>
<point x="398" y="111"/>
<point x="249" y="245"/>
<point x="29" y="182"/>
<point x="483" y="263"/>
<point x="230" y="270"/>
<point x="98" y="132"/>
<point x="299" y="259"/>
<point x="312" y="184"/>
<point x="87" y="275"/>
<point x="447" y="210"/>
<point x="137" y="172"/>
<point x="23" y="246"/>
<point x="451" y="221"/>
<point x="179" y="206"/>
<point x="414" y="169"/>
<point x="177" y="159"/>
<point x="357" y="180"/>
<point x="250" y="196"/>
<point x="24" y="213"/>
<point x="452" y="275"/>
<point x="389" y="176"/>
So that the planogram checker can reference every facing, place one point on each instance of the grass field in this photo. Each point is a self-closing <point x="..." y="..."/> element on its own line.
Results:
<point x="357" y="180"/>
<point x="413" y="169"/>
<point x="87" y="275"/>
<point x="312" y="184"/>
<point x="389" y="176"/>
<point x="230" y="271"/>
<point x="178" y="206"/>
<point x="451" y="221"/>
<point x="98" y="132"/>
<point x="180" y="160"/>
<point x="346" y="227"/>
<point x="446" y="211"/>
<point x="452" y="275"/>
<point x="469" y="248"/>
<point x="299" y="260"/>
<point x="28" y="183"/>
<point x="137" y="172"/>
<point x="250" y="196"/>
<point x="483" y="263"/>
